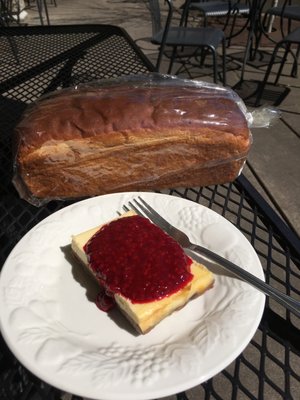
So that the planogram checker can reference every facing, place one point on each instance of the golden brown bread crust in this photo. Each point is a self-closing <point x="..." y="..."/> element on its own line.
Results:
<point x="80" y="143"/>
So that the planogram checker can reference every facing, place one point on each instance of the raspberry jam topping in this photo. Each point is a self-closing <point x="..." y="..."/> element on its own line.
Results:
<point x="104" y="301"/>
<point x="133" y="257"/>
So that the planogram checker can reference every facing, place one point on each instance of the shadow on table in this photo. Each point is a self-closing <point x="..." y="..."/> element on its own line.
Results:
<point x="88" y="282"/>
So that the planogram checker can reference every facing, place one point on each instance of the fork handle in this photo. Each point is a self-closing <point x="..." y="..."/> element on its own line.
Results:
<point x="285" y="300"/>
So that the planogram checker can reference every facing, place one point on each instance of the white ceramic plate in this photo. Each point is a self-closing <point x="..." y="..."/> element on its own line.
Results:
<point x="50" y="322"/>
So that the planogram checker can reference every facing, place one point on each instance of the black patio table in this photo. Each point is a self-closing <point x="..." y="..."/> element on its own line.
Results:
<point x="36" y="60"/>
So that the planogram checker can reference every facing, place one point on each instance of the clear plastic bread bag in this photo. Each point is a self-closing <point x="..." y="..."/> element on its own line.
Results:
<point x="141" y="132"/>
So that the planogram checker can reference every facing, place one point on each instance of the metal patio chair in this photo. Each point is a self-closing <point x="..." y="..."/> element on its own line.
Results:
<point x="287" y="12"/>
<point x="198" y="41"/>
<point x="292" y="38"/>
<point x="221" y="8"/>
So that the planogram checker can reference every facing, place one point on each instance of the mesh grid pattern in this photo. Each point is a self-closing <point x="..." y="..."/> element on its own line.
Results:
<point x="269" y="368"/>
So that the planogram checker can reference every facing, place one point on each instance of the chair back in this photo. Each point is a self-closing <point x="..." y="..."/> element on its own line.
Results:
<point x="154" y="8"/>
<point x="288" y="11"/>
<point x="158" y="21"/>
<point x="157" y="26"/>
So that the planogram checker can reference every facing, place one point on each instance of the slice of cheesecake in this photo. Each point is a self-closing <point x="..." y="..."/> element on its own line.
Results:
<point x="148" y="275"/>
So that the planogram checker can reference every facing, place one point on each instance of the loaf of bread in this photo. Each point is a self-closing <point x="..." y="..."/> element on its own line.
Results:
<point x="94" y="140"/>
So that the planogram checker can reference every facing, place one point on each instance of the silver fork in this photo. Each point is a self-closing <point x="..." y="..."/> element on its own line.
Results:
<point x="144" y="209"/>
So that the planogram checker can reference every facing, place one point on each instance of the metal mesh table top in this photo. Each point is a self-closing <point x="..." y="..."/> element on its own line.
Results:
<point x="37" y="60"/>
